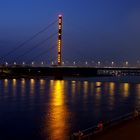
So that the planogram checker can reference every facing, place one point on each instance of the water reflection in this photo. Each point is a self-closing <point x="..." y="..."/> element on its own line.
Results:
<point x="32" y="86"/>
<point x="111" y="88"/>
<point x="98" y="90"/>
<point x="111" y="95"/>
<point x="98" y="96"/>
<point x="85" y="89"/>
<point x="68" y="105"/>
<point x="73" y="87"/>
<point x="22" y="86"/>
<point x="42" y="84"/>
<point x="56" y="125"/>
<point x="125" y="89"/>
<point x="6" y="89"/>
<point x="98" y="83"/>
<point x="14" y="85"/>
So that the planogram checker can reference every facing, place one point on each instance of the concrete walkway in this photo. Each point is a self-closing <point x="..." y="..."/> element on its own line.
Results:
<point x="129" y="130"/>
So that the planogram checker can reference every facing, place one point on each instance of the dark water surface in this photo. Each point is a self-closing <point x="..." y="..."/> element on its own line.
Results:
<point x="43" y="109"/>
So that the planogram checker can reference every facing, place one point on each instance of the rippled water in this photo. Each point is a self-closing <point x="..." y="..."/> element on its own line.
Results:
<point x="43" y="109"/>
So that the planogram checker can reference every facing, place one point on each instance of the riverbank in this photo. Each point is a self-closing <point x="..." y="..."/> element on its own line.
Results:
<point x="126" y="131"/>
<point x="123" y="127"/>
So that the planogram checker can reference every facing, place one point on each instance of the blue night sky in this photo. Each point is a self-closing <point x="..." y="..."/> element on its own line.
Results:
<point x="102" y="30"/>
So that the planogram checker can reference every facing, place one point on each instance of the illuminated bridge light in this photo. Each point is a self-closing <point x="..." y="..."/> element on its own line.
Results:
<point x="60" y="15"/>
<point x="99" y="63"/>
<point x="6" y="63"/>
<point x="126" y="62"/>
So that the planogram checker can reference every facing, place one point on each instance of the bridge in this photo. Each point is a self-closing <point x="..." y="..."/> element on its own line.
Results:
<point x="58" y="68"/>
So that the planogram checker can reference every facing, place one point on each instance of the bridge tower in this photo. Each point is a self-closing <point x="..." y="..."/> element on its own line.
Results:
<point x="59" y="45"/>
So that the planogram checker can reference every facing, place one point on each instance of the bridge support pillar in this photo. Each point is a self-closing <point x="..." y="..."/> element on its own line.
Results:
<point x="59" y="48"/>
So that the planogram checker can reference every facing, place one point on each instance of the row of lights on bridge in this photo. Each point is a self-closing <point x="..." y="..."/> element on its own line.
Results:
<point x="23" y="63"/>
<point x="73" y="63"/>
<point x="99" y="63"/>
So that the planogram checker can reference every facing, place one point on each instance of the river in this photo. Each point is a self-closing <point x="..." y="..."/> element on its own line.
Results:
<point x="46" y="109"/>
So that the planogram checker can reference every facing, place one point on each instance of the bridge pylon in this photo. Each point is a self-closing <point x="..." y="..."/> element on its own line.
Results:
<point x="59" y="44"/>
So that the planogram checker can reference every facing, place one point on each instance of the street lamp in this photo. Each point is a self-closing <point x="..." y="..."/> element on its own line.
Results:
<point x="63" y="63"/>
<point x="112" y="63"/>
<point x="126" y="63"/>
<point x="32" y="63"/>
<point x="99" y="63"/>
<point x="6" y="63"/>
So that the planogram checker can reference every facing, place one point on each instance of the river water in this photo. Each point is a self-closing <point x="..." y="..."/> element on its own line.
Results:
<point x="46" y="109"/>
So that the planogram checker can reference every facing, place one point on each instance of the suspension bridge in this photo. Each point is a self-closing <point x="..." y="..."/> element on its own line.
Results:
<point x="57" y="68"/>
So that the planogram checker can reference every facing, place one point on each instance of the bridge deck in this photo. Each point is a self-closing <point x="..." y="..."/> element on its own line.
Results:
<point x="67" y="71"/>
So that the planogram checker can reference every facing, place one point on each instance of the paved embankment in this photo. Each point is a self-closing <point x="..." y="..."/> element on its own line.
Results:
<point x="129" y="130"/>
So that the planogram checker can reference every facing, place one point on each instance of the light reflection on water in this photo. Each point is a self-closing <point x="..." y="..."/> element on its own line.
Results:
<point x="32" y="86"/>
<point x="6" y="89"/>
<point x="111" y="95"/>
<point x="14" y="84"/>
<point x="85" y="89"/>
<point x="56" y="108"/>
<point x="23" y="82"/>
<point x="56" y="120"/>
<point x="73" y="86"/>
<point x="42" y="84"/>
<point x="125" y="90"/>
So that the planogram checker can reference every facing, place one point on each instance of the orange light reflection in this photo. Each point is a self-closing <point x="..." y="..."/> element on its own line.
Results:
<point x="23" y="86"/>
<point x="85" y="84"/>
<point x="5" y="85"/>
<point x="111" y="95"/>
<point x="58" y="115"/>
<point x="14" y="84"/>
<point x="32" y="86"/>
<point x="125" y="90"/>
